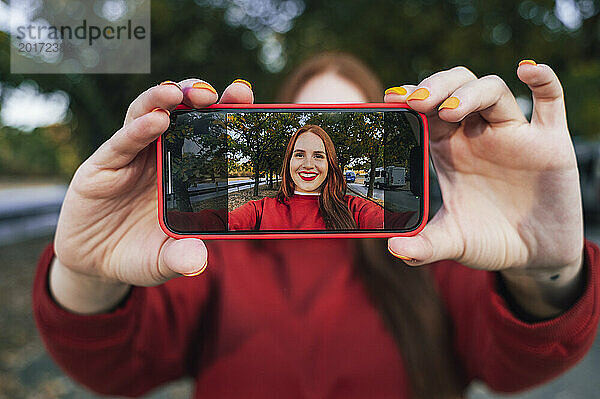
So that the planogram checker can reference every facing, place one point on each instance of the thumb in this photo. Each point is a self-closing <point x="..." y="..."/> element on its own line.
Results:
<point x="440" y="239"/>
<point x="547" y="92"/>
<point x="187" y="257"/>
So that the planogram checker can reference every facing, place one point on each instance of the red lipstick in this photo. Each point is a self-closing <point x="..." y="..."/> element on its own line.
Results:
<point x="308" y="176"/>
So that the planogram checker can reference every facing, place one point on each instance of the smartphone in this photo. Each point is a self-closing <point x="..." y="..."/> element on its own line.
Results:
<point x="240" y="171"/>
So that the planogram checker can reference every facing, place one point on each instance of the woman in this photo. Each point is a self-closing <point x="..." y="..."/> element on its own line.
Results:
<point x="334" y="318"/>
<point x="312" y="195"/>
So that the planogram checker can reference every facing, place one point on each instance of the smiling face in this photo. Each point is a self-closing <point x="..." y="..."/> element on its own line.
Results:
<point x="308" y="164"/>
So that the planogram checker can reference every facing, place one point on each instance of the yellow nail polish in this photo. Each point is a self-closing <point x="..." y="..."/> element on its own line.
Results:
<point x="401" y="256"/>
<point x="401" y="91"/>
<point x="161" y="109"/>
<point x="170" y="82"/>
<point x="450" y="103"/>
<point x="419" y="94"/>
<point x="198" y="272"/>
<point x="242" y="81"/>
<point x="204" y="85"/>
<point x="532" y="62"/>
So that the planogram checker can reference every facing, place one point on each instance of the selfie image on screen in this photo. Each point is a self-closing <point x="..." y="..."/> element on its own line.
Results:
<point x="316" y="170"/>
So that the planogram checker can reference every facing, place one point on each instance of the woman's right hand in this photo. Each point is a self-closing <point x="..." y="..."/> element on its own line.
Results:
<point x="108" y="229"/>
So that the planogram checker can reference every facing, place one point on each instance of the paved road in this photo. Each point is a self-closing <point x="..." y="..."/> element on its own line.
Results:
<point x="30" y="211"/>
<point x="395" y="200"/>
<point x="216" y="194"/>
<point x="359" y="188"/>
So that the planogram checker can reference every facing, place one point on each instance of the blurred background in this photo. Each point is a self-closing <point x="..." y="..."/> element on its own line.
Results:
<point x="50" y="123"/>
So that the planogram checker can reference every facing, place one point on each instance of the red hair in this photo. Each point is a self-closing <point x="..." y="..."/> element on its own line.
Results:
<point x="407" y="298"/>
<point x="332" y="202"/>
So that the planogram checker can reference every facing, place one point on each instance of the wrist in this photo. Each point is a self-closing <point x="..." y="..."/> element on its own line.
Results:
<point x="545" y="292"/>
<point x="555" y="276"/>
<point x="81" y="293"/>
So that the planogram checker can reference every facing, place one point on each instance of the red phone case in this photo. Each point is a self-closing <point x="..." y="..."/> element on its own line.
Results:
<point x="299" y="234"/>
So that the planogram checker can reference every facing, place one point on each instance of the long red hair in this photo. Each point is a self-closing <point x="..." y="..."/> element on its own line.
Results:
<point x="406" y="297"/>
<point x="332" y="202"/>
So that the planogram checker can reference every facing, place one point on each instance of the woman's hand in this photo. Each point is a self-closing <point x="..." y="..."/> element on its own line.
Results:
<point x="510" y="187"/>
<point x="108" y="230"/>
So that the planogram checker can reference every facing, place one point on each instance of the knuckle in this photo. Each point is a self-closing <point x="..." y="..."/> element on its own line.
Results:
<point x="142" y="124"/>
<point x="157" y="273"/>
<point x="151" y="123"/>
<point x="82" y="173"/>
<point x="129" y="112"/>
<point x="464" y="70"/>
<point x="451" y="73"/>
<point x="145" y="94"/>
<point x="132" y="106"/>
<point x="495" y="80"/>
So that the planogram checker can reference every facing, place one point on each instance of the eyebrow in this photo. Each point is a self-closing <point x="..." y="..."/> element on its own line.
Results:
<point x="316" y="152"/>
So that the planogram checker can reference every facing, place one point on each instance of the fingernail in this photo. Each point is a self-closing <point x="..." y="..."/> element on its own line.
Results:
<point x="204" y="85"/>
<point x="161" y="109"/>
<point x="532" y="62"/>
<point x="450" y="103"/>
<point x="401" y="91"/>
<point x="243" y="82"/>
<point x="400" y="256"/>
<point x="170" y="82"/>
<point x="419" y="94"/>
<point x="192" y="274"/>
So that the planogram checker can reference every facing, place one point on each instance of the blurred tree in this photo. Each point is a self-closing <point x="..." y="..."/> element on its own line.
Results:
<point x="339" y="127"/>
<point x="403" y="41"/>
<point x="368" y="132"/>
<point x="187" y="41"/>
<point x="198" y="146"/>
<point x="252" y="132"/>
<point x="281" y="129"/>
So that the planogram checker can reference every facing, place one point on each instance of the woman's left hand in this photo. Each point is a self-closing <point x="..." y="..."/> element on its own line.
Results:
<point x="510" y="188"/>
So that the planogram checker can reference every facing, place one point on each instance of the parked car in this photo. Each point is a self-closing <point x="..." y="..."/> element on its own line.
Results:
<point x="350" y="176"/>
<point x="391" y="176"/>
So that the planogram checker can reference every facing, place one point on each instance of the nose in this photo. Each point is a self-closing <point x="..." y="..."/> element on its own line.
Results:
<point x="308" y="163"/>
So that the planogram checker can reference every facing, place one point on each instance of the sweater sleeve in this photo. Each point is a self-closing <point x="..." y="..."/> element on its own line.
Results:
<point x="507" y="353"/>
<point x="246" y="217"/>
<point x="367" y="214"/>
<point x="204" y="220"/>
<point x="155" y="335"/>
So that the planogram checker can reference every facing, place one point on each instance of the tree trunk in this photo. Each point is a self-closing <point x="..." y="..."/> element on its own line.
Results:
<point x="256" y="174"/>
<point x="180" y="188"/>
<point x="371" y="180"/>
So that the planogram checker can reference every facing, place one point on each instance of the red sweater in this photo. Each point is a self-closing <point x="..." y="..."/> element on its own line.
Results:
<point x="300" y="212"/>
<point x="289" y="318"/>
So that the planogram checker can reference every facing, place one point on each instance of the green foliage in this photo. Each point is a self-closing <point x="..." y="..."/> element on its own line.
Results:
<point x="197" y="143"/>
<point x="406" y="41"/>
<point x="403" y="41"/>
<point x="44" y="152"/>
<point x="261" y="139"/>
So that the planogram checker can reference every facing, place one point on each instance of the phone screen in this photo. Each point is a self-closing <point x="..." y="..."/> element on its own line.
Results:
<point x="293" y="170"/>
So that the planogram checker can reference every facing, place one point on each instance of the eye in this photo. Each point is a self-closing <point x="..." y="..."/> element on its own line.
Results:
<point x="319" y="156"/>
<point x="298" y="155"/>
